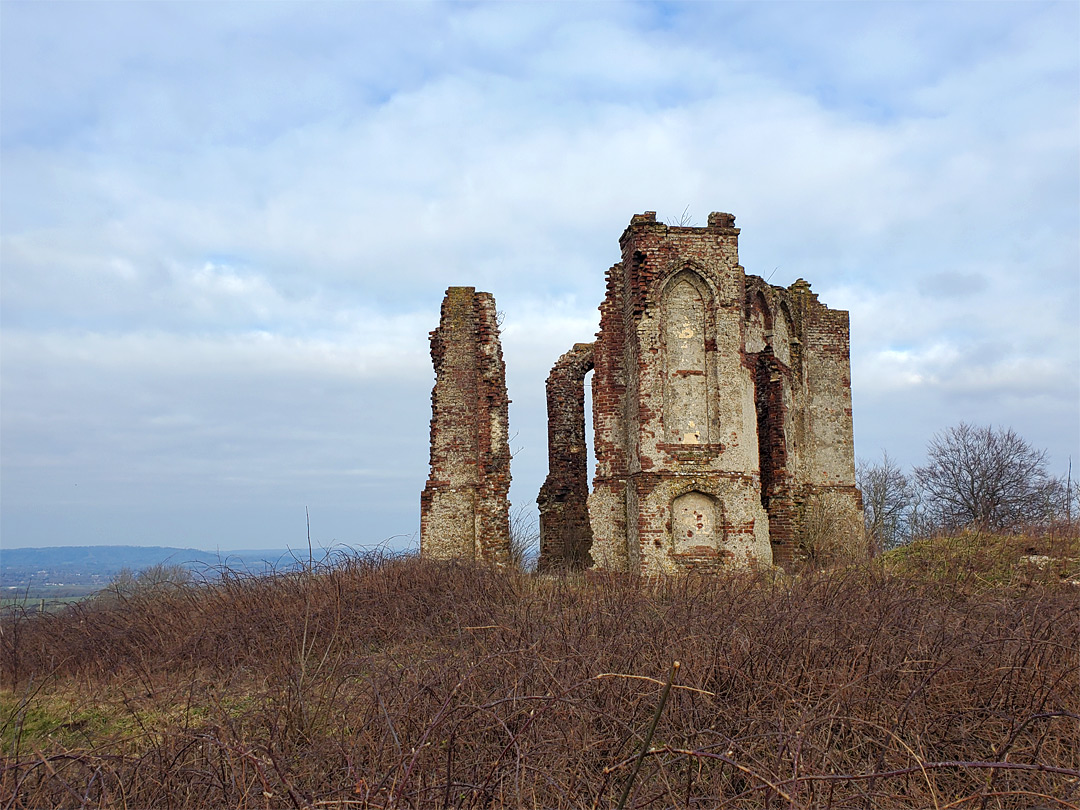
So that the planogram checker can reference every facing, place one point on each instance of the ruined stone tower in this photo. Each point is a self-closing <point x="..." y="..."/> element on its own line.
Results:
<point x="721" y="409"/>
<point x="464" y="511"/>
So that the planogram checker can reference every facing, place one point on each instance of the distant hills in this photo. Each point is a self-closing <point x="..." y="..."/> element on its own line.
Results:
<point x="95" y="566"/>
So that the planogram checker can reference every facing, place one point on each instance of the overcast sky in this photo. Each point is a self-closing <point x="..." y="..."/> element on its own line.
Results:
<point x="227" y="229"/>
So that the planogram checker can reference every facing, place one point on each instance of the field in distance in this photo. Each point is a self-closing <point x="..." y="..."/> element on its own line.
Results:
<point x="61" y="574"/>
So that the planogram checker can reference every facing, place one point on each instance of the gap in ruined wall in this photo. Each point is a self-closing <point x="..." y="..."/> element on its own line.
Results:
<point x="589" y="454"/>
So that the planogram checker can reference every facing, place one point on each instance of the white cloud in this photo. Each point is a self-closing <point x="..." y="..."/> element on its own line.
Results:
<point x="227" y="223"/>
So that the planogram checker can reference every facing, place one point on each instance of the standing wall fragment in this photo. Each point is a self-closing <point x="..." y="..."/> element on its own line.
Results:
<point x="464" y="509"/>
<point x="565" y="531"/>
<point x="722" y="416"/>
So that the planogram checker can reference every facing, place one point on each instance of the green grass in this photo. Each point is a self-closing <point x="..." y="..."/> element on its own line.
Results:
<point x="59" y="720"/>
<point x="988" y="560"/>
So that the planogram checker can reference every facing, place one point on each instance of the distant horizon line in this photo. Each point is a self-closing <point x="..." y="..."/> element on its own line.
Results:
<point x="204" y="550"/>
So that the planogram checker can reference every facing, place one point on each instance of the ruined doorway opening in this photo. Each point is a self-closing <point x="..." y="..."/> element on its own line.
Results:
<point x="565" y="528"/>
<point x="772" y="444"/>
<point x="590" y="456"/>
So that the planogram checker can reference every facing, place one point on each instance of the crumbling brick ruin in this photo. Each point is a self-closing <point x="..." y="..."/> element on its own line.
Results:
<point x="721" y="418"/>
<point x="721" y="408"/>
<point x="464" y="510"/>
<point x="565" y="532"/>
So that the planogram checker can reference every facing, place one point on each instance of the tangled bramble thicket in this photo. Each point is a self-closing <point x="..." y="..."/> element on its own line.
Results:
<point x="406" y="683"/>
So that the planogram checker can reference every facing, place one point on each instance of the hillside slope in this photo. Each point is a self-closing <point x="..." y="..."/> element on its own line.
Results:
<point x="403" y="683"/>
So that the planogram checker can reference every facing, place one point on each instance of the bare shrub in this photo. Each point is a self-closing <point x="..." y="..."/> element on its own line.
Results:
<point x="405" y="683"/>
<point x="832" y="533"/>
<point x="524" y="538"/>
<point x="128" y="584"/>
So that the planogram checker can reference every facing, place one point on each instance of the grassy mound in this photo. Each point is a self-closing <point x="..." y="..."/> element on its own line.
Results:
<point x="402" y="683"/>
<point x="988" y="560"/>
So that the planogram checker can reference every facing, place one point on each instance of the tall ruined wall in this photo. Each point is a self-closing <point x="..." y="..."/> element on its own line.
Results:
<point x="607" y="501"/>
<point x="565" y="533"/>
<point x="805" y="428"/>
<point x="828" y="458"/>
<point x="721" y="410"/>
<point x="721" y="418"/>
<point x="464" y="510"/>
<point x="675" y="419"/>
<point x="773" y="347"/>
<point x="826" y="473"/>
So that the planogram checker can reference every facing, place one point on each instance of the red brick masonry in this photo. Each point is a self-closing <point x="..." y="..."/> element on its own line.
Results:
<point x="721" y="406"/>
<point x="464" y="510"/>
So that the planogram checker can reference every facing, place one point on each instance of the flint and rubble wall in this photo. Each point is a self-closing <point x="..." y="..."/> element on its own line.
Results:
<point x="464" y="509"/>
<point x="565" y="531"/>
<point x="688" y="433"/>
<point x="721" y="409"/>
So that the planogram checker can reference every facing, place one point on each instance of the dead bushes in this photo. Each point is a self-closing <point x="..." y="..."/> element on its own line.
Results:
<point x="403" y="683"/>
<point x="832" y="531"/>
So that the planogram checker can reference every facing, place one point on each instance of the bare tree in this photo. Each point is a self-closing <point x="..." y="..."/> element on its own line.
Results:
<point x="1057" y="501"/>
<point x="920" y="522"/>
<point x="888" y="498"/>
<point x="986" y="477"/>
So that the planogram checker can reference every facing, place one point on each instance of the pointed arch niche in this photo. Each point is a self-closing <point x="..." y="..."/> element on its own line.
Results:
<point x="686" y="322"/>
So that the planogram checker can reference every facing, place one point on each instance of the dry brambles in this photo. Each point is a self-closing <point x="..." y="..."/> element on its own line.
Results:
<point x="397" y="682"/>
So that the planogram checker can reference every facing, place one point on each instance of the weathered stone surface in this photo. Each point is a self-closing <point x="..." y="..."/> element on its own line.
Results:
<point x="721" y="404"/>
<point x="721" y="416"/>
<point x="565" y="533"/>
<point x="464" y="510"/>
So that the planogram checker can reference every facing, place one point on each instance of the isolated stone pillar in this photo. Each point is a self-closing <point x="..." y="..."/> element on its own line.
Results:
<point x="565" y="532"/>
<point x="464" y="510"/>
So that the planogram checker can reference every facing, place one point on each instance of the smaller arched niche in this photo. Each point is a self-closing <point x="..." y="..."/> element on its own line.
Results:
<point x="696" y="523"/>
<point x="685" y="310"/>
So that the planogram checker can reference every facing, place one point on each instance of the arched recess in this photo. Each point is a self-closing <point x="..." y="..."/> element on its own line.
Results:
<point x="759" y="324"/>
<point x="686" y="307"/>
<point x="697" y="523"/>
<point x="769" y="404"/>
